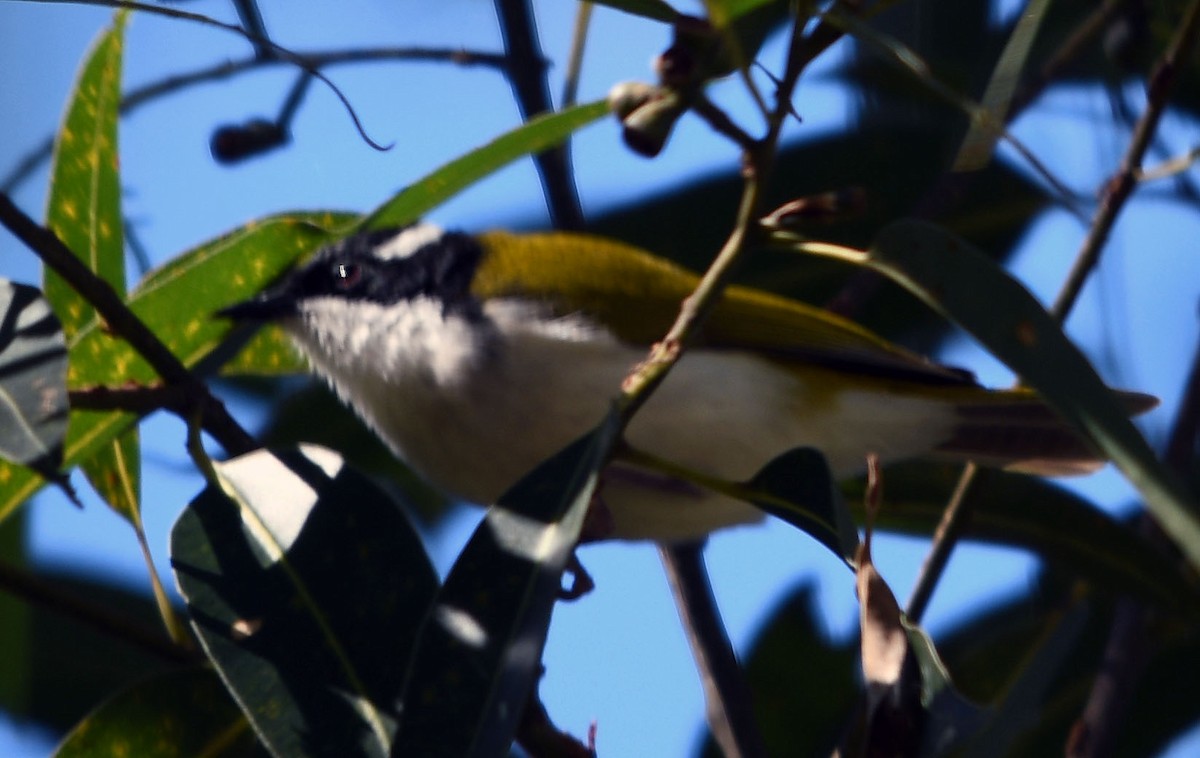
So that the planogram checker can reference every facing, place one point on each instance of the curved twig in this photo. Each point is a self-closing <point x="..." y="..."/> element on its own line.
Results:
<point x="310" y="62"/>
<point x="108" y="304"/>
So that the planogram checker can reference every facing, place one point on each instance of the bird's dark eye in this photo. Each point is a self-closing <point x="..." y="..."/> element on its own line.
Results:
<point x="346" y="276"/>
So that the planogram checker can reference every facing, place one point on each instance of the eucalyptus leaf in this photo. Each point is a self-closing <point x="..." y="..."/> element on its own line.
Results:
<point x="177" y="301"/>
<point x="948" y="274"/>
<point x="84" y="207"/>
<point x="798" y="488"/>
<point x="952" y="718"/>
<point x="180" y="713"/>
<point x="306" y="586"/>
<point x="479" y="653"/>
<point x="656" y="10"/>
<point x="534" y="136"/>
<point x="988" y="123"/>
<point x="911" y="706"/>
<point x="33" y="380"/>
<point x="804" y="682"/>
<point x="84" y="210"/>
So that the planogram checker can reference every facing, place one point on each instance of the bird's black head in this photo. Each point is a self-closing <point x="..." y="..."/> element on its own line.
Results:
<point x="384" y="266"/>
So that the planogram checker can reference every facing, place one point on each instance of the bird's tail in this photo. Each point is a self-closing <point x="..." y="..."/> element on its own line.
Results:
<point x="1014" y="430"/>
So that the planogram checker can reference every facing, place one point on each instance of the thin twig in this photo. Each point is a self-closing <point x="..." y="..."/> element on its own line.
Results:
<point x="140" y="96"/>
<point x="252" y="22"/>
<point x="723" y="683"/>
<point x="527" y="76"/>
<point x="720" y="121"/>
<point x="726" y="694"/>
<point x="122" y="321"/>
<point x="956" y="516"/>
<point x="953" y="523"/>
<point x="1128" y="647"/>
<point x="1121" y="185"/>
<point x="583" y="19"/>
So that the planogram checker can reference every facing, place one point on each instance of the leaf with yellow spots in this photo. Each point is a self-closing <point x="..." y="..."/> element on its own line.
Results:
<point x="84" y="208"/>
<point x="176" y="302"/>
<point x="179" y="713"/>
<point x="85" y="212"/>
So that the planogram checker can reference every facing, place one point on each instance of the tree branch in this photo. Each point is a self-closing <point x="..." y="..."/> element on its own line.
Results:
<point x="1124" y="181"/>
<point x="730" y="718"/>
<point x="957" y="514"/>
<point x="726" y="694"/>
<point x="527" y="76"/>
<point x="122" y="321"/>
<point x="135" y="98"/>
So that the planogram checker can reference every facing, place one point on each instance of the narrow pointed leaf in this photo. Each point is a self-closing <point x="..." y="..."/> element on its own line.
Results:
<point x="85" y="190"/>
<point x="952" y="718"/>
<point x="948" y="275"/>
<point x="988" y="123"/>
<point x="534" y="136"/>
<point x="85" y="212"/>
<point x="656" y="10"/>
<point x="173" y="715"/>
<point x="33" y="380"/>
<point x="479" y="653"/>
<point x="306" y="585"/>
<point x="798" y="488"/>
<point x="177" y="302"/>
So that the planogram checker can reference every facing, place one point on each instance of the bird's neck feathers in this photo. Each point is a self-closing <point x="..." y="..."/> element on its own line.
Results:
<point x="422" y="343"/>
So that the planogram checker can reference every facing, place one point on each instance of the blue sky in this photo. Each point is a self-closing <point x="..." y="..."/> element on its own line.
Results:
<point x="618" y="657"/>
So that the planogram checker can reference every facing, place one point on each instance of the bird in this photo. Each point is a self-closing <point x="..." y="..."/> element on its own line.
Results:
<point x="474" y="357"/>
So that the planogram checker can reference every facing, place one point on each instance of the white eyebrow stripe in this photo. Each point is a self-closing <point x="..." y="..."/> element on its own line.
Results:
<point x="409" y="241"/>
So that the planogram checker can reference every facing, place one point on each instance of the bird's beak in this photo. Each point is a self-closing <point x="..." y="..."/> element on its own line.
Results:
<point x="268" y="306"/>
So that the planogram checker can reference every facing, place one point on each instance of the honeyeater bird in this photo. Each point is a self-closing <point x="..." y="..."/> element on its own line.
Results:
<point x="476" y="357"/>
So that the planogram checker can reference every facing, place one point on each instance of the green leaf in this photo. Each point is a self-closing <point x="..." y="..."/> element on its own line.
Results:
<point x="173" y="715"/>
<point x="987" y="126"/>
<point x="951" y="718"/>
<point x="85" y="188"/>
<point x="1028" y="512"/>
<point x="798" y="488"/>
<point x="306" y="586"/>
<point x="177" y="301"/>
<point x="479" y="652"/>
<point x="656" y="10"/>
<point x="534" y="136"/>
<point x="947" y="274"/>
<point x="85" y="212"/>
<point x="218" y="273"/>
<point x="33" y="380"/>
